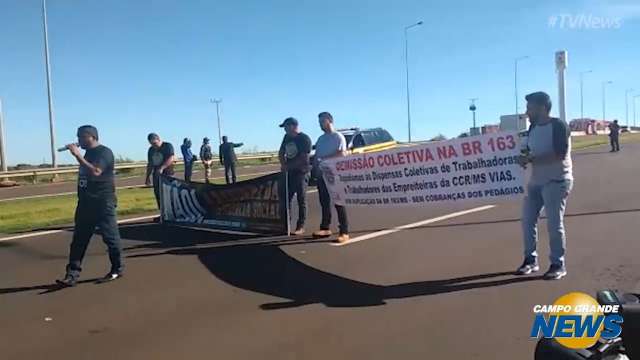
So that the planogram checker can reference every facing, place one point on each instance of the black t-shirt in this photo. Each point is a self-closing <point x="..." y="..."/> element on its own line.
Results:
<point x="157" y="157"/>
<point x="228" y="153"/>
<point x="295" y="151"/>
<point x="614" y="129"/>
<point x="97" y="187"/>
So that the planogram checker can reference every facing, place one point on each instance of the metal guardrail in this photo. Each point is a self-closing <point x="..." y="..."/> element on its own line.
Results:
<point x="35" y="173"/>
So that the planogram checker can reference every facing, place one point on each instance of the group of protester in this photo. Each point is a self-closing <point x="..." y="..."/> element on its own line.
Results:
<point x="548" y="152"/>
<point x="161" y="159"/>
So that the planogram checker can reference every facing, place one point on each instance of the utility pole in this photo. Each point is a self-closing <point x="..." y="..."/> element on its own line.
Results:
<point x="626" y="104"/>
<point x="406" y="63"/>
<point x="54" y="162"/>
<point x="515" y="75"/>
<point x="217" y="102"/>
<point x="3" y="151"/>
<point x="472" y="108"/>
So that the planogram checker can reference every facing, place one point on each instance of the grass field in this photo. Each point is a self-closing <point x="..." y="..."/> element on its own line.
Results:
<point x="31" y="214"/>
<point x="583" y="142"/>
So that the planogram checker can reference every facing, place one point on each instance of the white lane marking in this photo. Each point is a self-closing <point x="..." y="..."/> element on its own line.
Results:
<point x="413" y="225"/>
<point x="125" y="221"/>
<point x="39" y="233"/>
<point x="49" y="232"/>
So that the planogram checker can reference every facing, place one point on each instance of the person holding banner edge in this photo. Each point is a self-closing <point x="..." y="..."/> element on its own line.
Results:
<point x="160" y="159"/>
<point x="294" y="160"/>
<point x="96" y="207"/>
<point x="329" y="145"/>
<point x="549" y="153"/>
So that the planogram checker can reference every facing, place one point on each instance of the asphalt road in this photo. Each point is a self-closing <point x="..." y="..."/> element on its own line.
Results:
<point x="9" y="193"/>
<point x="439" y="291"/>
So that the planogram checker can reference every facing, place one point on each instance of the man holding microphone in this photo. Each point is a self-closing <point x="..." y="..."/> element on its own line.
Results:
<point x="96" y="205"/>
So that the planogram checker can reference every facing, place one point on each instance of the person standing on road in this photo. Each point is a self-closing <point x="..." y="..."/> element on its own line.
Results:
<point x="206" y="156"/>
<point x="614" y="136"/>
<point x="549" y="153"/>
<point x="228" y="158"/>
<point x="330" y="144"/>
<point x="294" y="160"/>
<point x="188" y="158"/>
<point x="96" y="206"/>
<point x="160" y="158"/>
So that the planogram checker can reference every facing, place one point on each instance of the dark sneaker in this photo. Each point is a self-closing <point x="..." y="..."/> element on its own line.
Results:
<point x="68" y="281"/>
<point x="110" y="277"/>
<point x="556" y="272"/>
<point x="527" y="268"/>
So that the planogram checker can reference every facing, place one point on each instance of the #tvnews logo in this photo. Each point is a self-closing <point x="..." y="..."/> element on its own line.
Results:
<point x="577" y="321"/>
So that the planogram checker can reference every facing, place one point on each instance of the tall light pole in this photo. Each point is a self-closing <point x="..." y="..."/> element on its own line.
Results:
<point x="54" y="162"/>
<point x="634" y="109"/>
<point x="406" y="63"/>
<point x="604" y="99"/>
<point x="582" y="92"/>
<point x="217" y="102"/>
<point x="515" y="62"/>
<point x="626" y="104"/>
<point x="473" y="108"/>
<point x="3" y="151"/>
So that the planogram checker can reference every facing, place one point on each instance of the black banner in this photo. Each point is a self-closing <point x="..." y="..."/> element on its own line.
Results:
<point x="249" y="206"/>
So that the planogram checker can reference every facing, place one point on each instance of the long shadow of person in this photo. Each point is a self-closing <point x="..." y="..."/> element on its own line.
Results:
<point x="267" y="269"/>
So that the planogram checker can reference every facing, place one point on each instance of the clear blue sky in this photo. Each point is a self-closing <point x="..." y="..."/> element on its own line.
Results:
<point x="131" y="67"/>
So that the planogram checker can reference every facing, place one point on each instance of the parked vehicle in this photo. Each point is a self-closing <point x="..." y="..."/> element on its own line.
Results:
<point x="360" y="141"/>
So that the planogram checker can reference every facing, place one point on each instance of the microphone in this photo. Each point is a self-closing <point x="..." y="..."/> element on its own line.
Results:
<point x="65" y="148"/>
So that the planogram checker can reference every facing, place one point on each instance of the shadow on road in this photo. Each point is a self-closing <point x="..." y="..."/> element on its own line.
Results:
<point x="47" y="288"/>
<point x="267" y="269"/>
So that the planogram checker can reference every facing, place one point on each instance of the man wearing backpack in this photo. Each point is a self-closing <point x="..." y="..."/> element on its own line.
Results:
<point x="206" y="155"/>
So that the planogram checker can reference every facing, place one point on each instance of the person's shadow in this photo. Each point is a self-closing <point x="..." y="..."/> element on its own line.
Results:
<point x="265" y="268"/>
<point x="260" y="265"/>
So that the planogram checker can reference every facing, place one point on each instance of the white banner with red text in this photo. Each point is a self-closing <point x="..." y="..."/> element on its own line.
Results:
<point x="475" y="168"/>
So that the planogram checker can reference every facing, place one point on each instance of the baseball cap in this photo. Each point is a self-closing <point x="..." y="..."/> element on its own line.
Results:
<point x="289" y="121"/>
<point x="539" y="98"/>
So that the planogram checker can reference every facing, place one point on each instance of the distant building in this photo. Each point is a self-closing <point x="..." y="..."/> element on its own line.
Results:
<point x="589" y="126"/>
<point x="490" y="129"/>
<point x="517" y="122"/>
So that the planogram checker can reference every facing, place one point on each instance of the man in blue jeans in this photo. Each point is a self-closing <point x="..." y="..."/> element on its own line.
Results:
<point x="549" y="153"/>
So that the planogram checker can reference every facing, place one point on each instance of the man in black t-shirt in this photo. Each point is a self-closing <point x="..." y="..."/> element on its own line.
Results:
<point x="228" y="158"/>
<point x="294" y="159"/>
<point x="96" y="205"/>
<point x="614" y="136"/>
<point x="160" y="160"/>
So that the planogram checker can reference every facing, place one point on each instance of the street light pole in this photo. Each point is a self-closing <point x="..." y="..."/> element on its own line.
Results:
<point x="626" y="103"/>
<point x="582" y="92"/>
<point x="406" y="63"/>
<point x="217" y="102"/>
<point x="3" y="151"/>
<point x="54" y="162"/>
<point x="516" y="79"/>
<point x="473" y="108"/>
<point x="634" y="109"/>
<point x="604" y="99"/>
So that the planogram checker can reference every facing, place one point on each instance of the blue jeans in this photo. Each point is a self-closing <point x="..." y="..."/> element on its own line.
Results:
<point x="553" y="196"/>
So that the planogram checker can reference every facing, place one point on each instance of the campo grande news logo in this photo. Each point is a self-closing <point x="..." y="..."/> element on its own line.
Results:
<point x="577" y="321"/>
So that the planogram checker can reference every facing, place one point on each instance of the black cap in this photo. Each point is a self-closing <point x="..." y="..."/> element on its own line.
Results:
<point x="289" y="121"/>
<point x="88" y="129"/>
<point x="539" y="98"/>
<point x="153" y="136"/>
